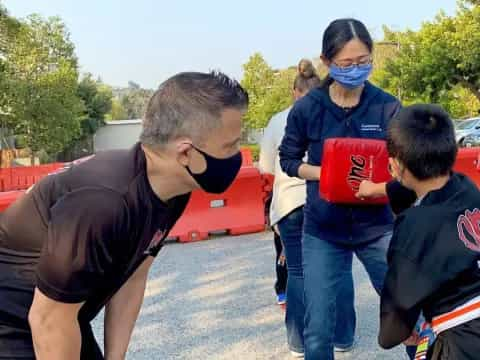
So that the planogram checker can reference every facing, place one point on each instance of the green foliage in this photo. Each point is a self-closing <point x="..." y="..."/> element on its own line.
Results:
<point x="9" y="26"/>
<point x="280" y="95"/>
<point x="97" y="98"/>
<point x="134" y="101"/>
<point x="39" y="85"/>
<point x="257" y="80"/>
<point x="460" y="103"/>
<point x="439" y="63"/>
<point x="117" y="112"/>
<point x="41" y="100"/>
<point x="471" y="2"/>
<point x="269" y="91"/>
<point x="384" y="51"/>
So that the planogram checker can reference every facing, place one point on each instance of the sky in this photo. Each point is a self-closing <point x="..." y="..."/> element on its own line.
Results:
<point x="147" y="41"/>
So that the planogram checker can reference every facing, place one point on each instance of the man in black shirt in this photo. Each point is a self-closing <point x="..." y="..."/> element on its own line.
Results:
<point x="84" y="238"/>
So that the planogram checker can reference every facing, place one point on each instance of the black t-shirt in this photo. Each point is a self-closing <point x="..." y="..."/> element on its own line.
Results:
<point x="78" y="235"/>
<point x="433" y="259"/>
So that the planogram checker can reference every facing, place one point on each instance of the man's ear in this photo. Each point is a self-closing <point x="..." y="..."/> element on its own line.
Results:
<point x="183" y="149"/>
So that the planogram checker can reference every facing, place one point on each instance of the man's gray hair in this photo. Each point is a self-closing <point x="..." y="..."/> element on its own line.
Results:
<point x="190" y="104"/>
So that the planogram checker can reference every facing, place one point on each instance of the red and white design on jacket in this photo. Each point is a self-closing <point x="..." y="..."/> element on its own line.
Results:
<point x="83" y="159"/>
<point x="68" y="165"/>
<point x="156" y="239"/>
<point x="468" y="226"/>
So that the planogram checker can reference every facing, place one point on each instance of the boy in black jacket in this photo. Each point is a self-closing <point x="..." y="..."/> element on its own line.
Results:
<point x="435" y="249"/>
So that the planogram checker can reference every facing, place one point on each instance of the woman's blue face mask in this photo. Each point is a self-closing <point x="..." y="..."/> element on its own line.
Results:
<point x="352" y="76"/>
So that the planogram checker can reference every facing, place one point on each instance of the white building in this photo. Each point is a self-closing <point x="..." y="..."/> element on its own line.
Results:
<point x="118" y="134"/>
<point x="123" y="134"/>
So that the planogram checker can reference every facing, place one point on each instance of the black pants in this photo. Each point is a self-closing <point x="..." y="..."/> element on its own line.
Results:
<point x="459" y="343"/>
<point x="281" y="282"/>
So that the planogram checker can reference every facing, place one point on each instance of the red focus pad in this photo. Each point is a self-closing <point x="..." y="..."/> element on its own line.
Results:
<point x="346" y="163"/>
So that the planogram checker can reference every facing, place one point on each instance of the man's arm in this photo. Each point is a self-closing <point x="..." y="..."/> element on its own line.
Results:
<point x="122" y="311"/>
<point x="55" y="328"/>
<point x="75" y="258"/>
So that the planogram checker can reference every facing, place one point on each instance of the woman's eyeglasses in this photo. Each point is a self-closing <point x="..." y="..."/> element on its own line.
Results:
<point x="345" y="63"/>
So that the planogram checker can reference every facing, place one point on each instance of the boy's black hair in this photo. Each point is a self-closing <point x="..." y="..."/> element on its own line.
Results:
<point x="422" y="137"/>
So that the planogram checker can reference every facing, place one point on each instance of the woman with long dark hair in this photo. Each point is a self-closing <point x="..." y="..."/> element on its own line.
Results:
<point x="345" y="105"/>
<point x="286" y="215"/>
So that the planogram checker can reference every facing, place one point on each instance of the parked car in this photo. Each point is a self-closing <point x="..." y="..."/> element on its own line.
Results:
<point x="472" y="139"/>
<point x="466" y="127"/>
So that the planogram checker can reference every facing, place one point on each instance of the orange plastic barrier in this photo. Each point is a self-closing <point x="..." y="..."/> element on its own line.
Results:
<point x="22" y="177"/>
<point x="7" y="198"/>
<point x="239" y="210"/>
<point x="268" y="180"/>
<point x="468" y="163"/>
<point x="247" y="157"/>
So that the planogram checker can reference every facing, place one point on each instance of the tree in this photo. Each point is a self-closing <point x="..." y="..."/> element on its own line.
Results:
<point x="134" y="101"/>
<point x="97" y="99"/>
<point x="41" y="85"/>
<point x="257" y="80"/>
<point x="9" y="28"/>
<point x="460" y="102"/>
<point x="270" y="91"/>
<point x="384" y="51"/>
<point x="434" y="63"/>
<point x="278" y="98"/>
<point x="117" y="112"/>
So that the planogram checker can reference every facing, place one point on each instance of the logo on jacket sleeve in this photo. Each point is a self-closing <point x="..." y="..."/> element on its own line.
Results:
<point x="468" y="226"/>
<point x="371" y="127"/>
<point x="156" y="241"/>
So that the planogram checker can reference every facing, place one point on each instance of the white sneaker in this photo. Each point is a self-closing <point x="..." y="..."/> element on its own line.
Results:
<point x="343" y="350"/>
<point x="297" y="355"/>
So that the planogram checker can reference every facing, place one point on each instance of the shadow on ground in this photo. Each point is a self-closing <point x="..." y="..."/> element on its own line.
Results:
<point x="215" y="300"/>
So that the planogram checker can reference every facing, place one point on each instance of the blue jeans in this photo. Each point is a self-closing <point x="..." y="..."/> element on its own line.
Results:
<point x="327" y="268"/>
<point x="291" y="227"/>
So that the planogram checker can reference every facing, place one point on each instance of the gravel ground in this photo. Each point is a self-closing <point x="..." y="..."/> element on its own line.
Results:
<point x="214" y="300"/>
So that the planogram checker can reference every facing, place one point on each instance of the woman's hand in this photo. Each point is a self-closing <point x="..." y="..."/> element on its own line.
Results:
<point x="369" y="190"/>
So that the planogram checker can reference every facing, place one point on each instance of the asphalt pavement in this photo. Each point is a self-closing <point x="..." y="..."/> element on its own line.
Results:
<point x="214" y="299"/>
